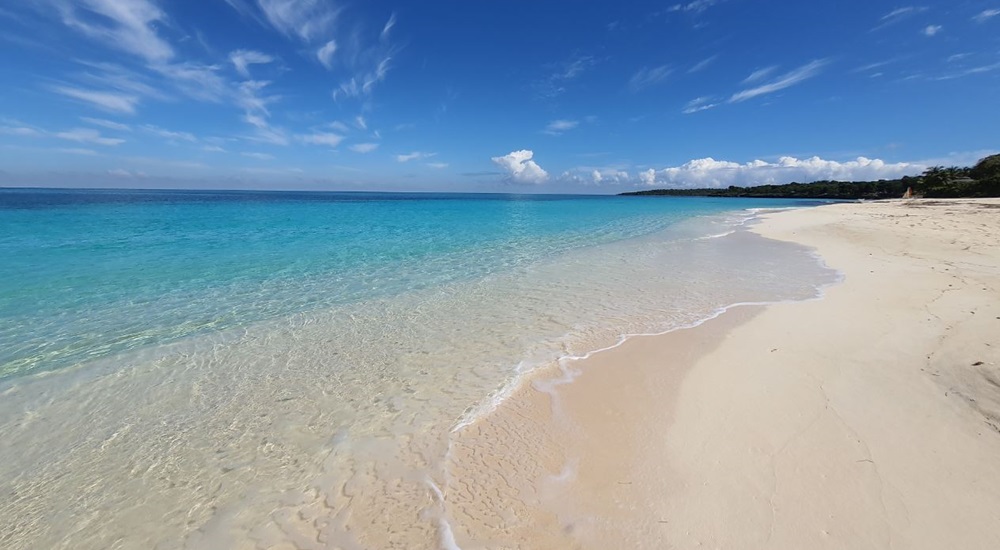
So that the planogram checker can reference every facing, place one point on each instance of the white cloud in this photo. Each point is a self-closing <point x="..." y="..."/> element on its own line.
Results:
<point x="704" y="63"/>
<point x="109" y="101"/>
<point x="555" y="84"/>
<point x="700" y="104"/>
<point x="646" y="77"/>
<point x="648" y="177"/>
<point x="416" y="155"/>
<point x="363" y="147"/>
<point x="697" y="6"/>
<point x="708" y="172"/>
<point x="786" y="80"/>
<point x="360" y="122"/>
<point x="557" y="127"/>
<point x="242" y="59"/>
<point x="109" y="124"/>
<point x="21" y="131"/>
<point x="306" y="19"/>
<point x="213" y="149"/>
<point x="986" y="15"/>
<point x="521" y="168"/>
<point x="168" y="134"/>
<point x="127" y="25"/>
<point x="364" y="82"/>
<point x="931" y="30"/>
<point x="898" y="15"/>
<point x="325" y="54"/>
<point x="387" y="28"/>
<point x="88" y="135"/>
<point x="77" y="151"/>
<point x="339" y="126"/>
<point x="258" y="156"/>
<point x="760" y="74"/>
<point x="321" y="138"/>
<point x="438" y="165"/>
<point x="122" y="173"/>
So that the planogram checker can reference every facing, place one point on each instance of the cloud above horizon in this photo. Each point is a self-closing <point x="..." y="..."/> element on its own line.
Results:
<point x="711" y="173"/>
<point x="520" y="168"/>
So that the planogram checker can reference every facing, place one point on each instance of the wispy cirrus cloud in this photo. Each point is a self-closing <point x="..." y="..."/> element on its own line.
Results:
<point x="786" y="80"/>
<point x="699" y="104"/>
<point x="561" y="74"/>
<point x="931" y="30"/>
<point x="363" y="147"/>
<point x="646" y="77"/>
<point x="126" y="25"/>
<point x="258" y="156"/>
<point x="325" y="54"/>
<point x="88" y="135"/>
<point x="307" y="20"/>
<point x="899" y="14"/>
<point x="168" y="135"/>
<point x="986" y="15"/>
<point x="321" y="138"/>
<point x="696" y="6"/>
<point x="558" y="127"/>
<point x="107" y="101"/>
<point x="703" y="64"/>
<point x="243" y="59"/>
<point x="760" y="74"/>
<point x="416" y="155"/>
<point x="109" y="124"/>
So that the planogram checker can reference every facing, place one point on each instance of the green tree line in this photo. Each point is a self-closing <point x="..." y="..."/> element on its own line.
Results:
<point x="981" y="180"/>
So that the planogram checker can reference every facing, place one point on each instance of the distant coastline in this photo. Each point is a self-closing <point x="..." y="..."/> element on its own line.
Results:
<point x="981" y="180"/>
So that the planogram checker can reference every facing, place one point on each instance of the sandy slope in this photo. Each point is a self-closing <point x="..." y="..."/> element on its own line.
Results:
<point x="867" y="419"/>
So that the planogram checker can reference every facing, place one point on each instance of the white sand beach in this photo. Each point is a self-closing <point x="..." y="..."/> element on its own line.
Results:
<point x="869" y="418"/>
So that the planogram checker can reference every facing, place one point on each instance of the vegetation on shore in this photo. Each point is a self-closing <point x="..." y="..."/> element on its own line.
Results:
<point x="981" y="180"/>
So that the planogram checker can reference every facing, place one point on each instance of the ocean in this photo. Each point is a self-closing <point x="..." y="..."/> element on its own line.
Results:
<point x="209" y="369"/>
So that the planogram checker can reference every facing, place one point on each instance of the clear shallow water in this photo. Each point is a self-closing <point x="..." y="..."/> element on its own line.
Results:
<point x="261" y="368"/>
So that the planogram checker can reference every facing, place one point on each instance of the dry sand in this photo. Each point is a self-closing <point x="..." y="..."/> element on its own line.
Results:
<point x="867" y="419"/>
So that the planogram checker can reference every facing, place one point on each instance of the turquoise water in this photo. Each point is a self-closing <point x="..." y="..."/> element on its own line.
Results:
<point x="287" y="370"/>
<point x="92" y="273"/>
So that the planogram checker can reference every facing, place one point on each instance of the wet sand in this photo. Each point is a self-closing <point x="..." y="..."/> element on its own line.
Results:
<point x="869" y="418"/>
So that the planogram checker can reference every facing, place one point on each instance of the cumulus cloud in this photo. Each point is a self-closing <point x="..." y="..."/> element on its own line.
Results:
<point x="520" y="167"/>
<point x="931" y="30"/>
<point x="708" y="172"/>
<point x="364" y="147"/>
<point x="242" y="59"/>
<point x="786" y="80"/>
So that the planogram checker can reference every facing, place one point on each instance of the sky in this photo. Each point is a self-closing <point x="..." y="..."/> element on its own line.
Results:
<point x="485" y="96"/>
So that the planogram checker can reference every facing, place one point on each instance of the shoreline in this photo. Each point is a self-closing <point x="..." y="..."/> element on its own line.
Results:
<point x="859" y="420"/>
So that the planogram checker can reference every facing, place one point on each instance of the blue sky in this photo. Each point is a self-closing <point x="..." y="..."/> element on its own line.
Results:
<point x="589" y="97"/>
